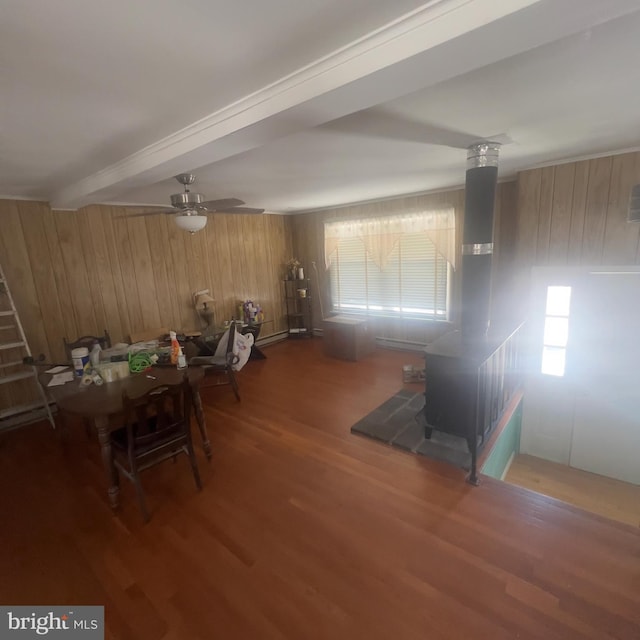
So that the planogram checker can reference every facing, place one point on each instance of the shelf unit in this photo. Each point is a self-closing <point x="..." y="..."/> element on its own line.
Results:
<point x="297" y="296"/>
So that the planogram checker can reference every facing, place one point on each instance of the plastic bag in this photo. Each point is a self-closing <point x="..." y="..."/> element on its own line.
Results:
<point x="241" y="347"/>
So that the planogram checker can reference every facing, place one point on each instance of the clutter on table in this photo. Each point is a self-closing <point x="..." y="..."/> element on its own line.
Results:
<point x="251" y="312"/>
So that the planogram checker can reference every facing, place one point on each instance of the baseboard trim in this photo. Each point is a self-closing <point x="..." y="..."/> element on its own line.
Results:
<point x="400" y="345"/>
<point x="508" y="465"/>
<point x="274" y="337"/>
<point x="385" y="343"/>
<point x="390" y="343"/>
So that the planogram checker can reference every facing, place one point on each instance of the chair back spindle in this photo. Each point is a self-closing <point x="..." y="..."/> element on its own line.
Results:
<point x="87" y="341"/>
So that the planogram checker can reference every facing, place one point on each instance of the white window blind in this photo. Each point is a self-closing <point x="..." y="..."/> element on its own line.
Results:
<point x="413" y="283"/>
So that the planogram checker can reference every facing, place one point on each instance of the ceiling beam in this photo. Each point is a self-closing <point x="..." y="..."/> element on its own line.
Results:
<point x="440" y="40"/>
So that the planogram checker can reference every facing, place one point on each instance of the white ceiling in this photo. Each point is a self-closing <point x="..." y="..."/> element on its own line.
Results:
<point x="294" y="105"/>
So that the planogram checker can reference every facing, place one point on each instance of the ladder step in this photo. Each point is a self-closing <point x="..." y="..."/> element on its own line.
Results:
<point x="6" y="365"/>
<point x="30" y="414"/>
<point x="12" y="345"/>
<point x="7" y="313"/>
<point x="7" y="327"/>
<point x="23" y="375"/>
<point x="18" y="409"/>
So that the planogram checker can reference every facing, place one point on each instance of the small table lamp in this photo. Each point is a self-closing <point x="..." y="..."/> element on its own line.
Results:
<point x="202" y="302"/>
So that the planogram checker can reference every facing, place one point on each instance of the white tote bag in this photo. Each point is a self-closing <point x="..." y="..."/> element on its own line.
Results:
<point x="241" y="347"/>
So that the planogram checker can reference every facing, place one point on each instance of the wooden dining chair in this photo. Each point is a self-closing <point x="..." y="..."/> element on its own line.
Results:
<point x="219" y="369"/>
<point x="87" y="341"/>
<point x="156" y="427"/>
<point x="147" y="335"/>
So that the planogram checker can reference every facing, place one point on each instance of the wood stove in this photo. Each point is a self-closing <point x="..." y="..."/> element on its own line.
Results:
<point x="470" y="374"/>
<point x="468" y="385"/>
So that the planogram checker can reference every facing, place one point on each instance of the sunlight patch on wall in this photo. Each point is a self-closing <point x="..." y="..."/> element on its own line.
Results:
<point x="556" y="330"/>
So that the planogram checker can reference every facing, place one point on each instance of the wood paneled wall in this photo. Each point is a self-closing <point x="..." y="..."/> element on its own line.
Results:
<point x="570" y="214"/>
<point x="575" y="214"/>
<point x="74" y="273"/>
<point x="308" y="240"/>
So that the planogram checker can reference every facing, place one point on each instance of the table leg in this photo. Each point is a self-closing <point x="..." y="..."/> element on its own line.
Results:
<point x="202" y="425"/>
<point x="256" y="353"/>
<point x="102" y="427"/>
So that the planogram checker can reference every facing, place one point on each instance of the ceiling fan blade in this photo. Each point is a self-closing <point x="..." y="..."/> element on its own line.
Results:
<point x="185" y="203"/>
<point x="218" y="205"/>
<point x="379" y="123"/>
<point x="239" y="210"/>
<point x="150" y="213"/>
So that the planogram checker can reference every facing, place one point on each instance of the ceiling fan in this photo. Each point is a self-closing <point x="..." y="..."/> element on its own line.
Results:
<point x="190" y="208"/>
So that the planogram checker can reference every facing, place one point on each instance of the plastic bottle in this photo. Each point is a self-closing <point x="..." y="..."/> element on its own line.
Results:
<point x="94" y="356"/>
<point x="175" y="347"/>
<point x="182" y="361"/>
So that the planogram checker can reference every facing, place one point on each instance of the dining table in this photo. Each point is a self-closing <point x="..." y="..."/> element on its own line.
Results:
<point x="103" y="405"/>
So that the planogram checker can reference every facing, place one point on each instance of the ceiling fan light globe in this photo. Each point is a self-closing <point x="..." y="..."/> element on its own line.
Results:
<point x="191" y="222"/>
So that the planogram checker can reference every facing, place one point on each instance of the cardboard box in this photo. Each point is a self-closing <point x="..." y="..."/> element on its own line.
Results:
<point x="347" y="338"/>
<point x="110" y="371"/>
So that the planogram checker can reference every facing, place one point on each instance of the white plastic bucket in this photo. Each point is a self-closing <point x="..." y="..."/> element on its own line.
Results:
<point x="79" y="357"/>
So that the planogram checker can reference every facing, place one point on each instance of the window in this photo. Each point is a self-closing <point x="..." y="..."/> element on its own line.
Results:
<point x="556" y="330"/>
<point x="413" y="281"/>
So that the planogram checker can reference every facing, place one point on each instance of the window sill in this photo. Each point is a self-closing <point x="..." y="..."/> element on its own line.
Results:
<point x="392" y="317"/>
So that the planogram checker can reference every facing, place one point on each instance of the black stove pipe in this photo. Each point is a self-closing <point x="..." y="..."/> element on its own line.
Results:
<point x="477" y="239"/>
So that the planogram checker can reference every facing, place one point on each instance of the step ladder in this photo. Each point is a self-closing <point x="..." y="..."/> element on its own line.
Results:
<point x="12" y="337"/>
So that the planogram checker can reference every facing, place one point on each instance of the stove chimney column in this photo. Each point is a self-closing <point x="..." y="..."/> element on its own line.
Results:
<point x="477" y="239"/>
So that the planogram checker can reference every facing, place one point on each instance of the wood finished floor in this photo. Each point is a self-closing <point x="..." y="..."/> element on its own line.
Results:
<point x="304" y="531"/>
<point x="605" y="496"/>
